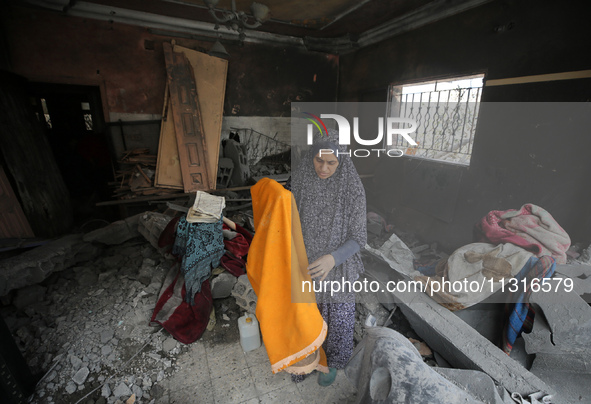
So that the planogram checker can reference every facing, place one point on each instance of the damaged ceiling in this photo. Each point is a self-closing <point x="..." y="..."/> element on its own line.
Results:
<point x="333" y="26"/>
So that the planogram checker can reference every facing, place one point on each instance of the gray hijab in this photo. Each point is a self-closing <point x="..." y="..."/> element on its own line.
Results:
<point x="332" y="210"/>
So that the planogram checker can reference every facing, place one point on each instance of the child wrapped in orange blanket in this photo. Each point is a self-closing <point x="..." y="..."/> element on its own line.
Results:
<point x="293" y="329"/>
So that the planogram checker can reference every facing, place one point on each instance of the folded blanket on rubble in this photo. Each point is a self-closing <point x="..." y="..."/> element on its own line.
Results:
<point x="530" y="227"/>
<point x="520" y="313"/>
<point x="483" y="263"/>
<point x="293" y="332"/>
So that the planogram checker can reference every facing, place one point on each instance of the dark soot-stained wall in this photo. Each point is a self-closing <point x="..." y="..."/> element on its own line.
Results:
<point x="262" y="80"/>
<point x="537" y="157"/>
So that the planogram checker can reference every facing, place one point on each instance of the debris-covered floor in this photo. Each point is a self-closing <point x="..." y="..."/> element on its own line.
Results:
<point x="88" y="325"/>
<point x="85" y="329"/>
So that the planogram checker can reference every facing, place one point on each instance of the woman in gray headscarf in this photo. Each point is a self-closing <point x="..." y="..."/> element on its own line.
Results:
<point x="331" y="203"/>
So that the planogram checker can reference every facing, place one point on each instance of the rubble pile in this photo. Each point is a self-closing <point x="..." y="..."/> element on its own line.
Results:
<point x="86" y="329"/>
<point x="269" y="168"/>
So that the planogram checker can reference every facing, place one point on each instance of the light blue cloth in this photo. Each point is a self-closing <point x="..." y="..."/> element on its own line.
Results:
<point x="201" y="246"/>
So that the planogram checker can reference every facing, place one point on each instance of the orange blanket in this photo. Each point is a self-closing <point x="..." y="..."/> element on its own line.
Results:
<point x="293" y="329"/>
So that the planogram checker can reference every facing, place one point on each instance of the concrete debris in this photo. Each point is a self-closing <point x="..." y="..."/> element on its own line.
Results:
<point x="418" y="249"/>
<point x="561" y="335"/>
<point x="86" y="276"/>
<point x="122" y="390"/>
<point x="107" y="335"/>
<point x="368" y="305"/>
<point x="151" y="225"/>
<point x="445" y="333"/>
<point x="580" y="274"/>
<point x="244" y="294"/>
<point x="169" y="344"/>
<point x="396" y="254"/>
<point x="86" y="337"/>
<point x="81" y="375"/>
<point x="222" y="285"/>
<point x="116" y="233"/>
<point x="71" y="387"/>
<point x="568" y="317"/>
<point x="28" y="296"/>
<point x="106" y="391"/>
<point x="76" y="362"/>
<point x="36" y="265"/>
<point x="386" y="368"/>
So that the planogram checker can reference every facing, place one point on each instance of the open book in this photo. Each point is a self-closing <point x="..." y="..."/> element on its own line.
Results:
<point x="206" y="209"/>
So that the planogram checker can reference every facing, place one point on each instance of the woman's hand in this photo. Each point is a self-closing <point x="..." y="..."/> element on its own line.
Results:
<point x="321" y="267"/>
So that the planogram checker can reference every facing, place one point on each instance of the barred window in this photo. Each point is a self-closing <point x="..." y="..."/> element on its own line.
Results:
<point x="446" y="112"/>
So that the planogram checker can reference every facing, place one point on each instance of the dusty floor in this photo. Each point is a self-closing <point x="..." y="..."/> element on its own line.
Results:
<point x="86" y="329"/>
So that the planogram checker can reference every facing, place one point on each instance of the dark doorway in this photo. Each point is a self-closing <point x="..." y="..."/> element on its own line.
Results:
<point x="75" y="128"/>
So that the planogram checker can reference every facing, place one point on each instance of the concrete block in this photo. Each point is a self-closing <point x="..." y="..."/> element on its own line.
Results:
<point x="244" y="294"/>
<point x="116" y="233"/>
<point x="222" y="285"/>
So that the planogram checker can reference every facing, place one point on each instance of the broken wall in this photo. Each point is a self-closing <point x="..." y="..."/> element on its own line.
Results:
<point x="509" y="166"/>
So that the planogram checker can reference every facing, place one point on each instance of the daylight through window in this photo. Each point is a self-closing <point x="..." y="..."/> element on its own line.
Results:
<point x="446" y="112"/>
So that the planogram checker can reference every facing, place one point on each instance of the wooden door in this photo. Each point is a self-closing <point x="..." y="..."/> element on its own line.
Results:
<point x="187" y="121"/>
<point x="13" y="222"/>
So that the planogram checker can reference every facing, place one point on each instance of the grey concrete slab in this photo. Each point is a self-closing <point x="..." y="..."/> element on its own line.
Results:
<point x="572" y="387"/>
<point x="34" y="266"/>
<point x="116" y="233"/>
<point x="458" y="343"/>
<point x="568" y="316"/>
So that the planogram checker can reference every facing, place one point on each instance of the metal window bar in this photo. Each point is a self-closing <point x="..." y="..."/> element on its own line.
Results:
<point x="446" y="122"/>
<point x="259" y="145"/>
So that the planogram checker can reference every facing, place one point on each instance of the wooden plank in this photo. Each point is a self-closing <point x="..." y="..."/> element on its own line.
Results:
<point x="210" y="78"/>
<point x="13" y="222"/>
<point x="29" y="158"/>
<point x="187" y="121"/>
<point x="580" y="74"/>
<point x="168" y="166"/>
<point x="172" y="196"/>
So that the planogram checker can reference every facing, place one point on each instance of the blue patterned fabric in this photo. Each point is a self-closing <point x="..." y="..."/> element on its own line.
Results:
<point x="521" y="314"/>
<point x="201" y="246"/>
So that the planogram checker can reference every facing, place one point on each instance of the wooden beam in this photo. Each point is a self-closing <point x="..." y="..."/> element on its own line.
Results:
<point x="580" y="74"/>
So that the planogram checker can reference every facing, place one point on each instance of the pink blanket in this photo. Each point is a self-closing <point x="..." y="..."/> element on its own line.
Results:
<point x="530" y="227"/>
